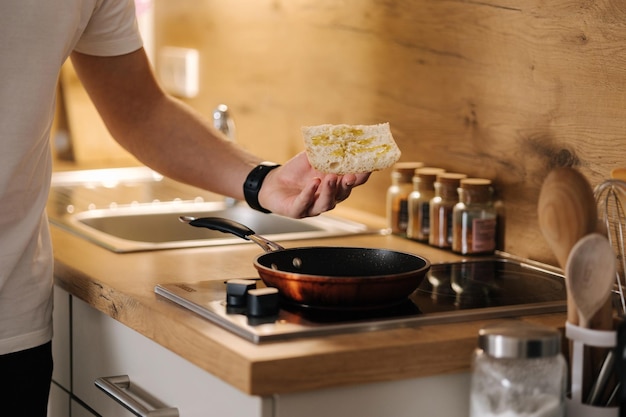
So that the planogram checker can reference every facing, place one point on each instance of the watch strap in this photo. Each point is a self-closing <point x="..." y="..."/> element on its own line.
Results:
<point x="253" y="183"/>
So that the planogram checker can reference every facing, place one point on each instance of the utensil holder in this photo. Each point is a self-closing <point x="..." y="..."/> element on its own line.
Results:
<point x="580" y="338"/>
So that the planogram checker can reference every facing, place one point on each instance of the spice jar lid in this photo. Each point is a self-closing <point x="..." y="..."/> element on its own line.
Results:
<point x="450" y="177"/>
<point x="428" y="172"/>
<point x="475" y="183"/>
<point x="475" y="190"/>
<point x="518" y="339"/>
<point x="405" y="170"/>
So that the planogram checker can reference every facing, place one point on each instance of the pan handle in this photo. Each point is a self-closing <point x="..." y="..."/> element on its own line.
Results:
<point x="219" y="224"/>
<point x="232" y="227"/>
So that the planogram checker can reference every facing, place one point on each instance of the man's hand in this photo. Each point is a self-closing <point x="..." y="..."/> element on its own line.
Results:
<point x="297" y="190"/>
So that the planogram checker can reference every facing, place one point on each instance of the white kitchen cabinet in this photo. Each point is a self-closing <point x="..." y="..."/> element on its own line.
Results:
<point x="60" y="389"/>
<point x="61" y="339"/>
<point x="103" y="347"/>
<point x="59" y="402"/>
<point x="438" y="396"/>
<point x="79" y="411"/>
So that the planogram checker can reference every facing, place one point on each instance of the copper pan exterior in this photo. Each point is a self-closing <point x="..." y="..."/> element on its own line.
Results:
<point x="342" y="277"/>
<point x="326" y="276"/>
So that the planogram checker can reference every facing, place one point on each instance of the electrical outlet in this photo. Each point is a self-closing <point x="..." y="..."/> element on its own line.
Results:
<point x="179" y="71"/>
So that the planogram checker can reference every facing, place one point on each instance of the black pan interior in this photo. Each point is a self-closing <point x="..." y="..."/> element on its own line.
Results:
<point x="342" y="261"/>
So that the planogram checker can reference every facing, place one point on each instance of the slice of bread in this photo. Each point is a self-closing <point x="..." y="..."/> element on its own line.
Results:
<point x="343" y="149"/>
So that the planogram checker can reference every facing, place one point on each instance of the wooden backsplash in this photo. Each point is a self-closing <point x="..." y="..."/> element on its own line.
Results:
<point x="503" y="89"/>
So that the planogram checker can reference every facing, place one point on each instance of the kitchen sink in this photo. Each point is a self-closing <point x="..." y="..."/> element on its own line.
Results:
<point x="156" y="226"/>
<point x="135" y="209"/>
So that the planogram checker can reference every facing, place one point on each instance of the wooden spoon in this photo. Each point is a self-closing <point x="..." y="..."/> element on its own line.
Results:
<point x="590" y="274"/>
<point x="567" y="212"/>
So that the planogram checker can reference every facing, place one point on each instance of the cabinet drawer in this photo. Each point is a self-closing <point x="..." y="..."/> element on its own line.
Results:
<point x="79" y="411"/>
<point x="436" y="396"/>
<point x="59" y="402"/>
<point x="103" y="347"/>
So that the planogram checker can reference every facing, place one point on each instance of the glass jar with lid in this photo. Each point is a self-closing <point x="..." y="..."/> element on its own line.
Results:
<point x="397" y="195"/>
<point x="518" y="370"/>
<point x="418" y="227"/>
<point x="441" y="206"/>
<point x="474" y="218"/>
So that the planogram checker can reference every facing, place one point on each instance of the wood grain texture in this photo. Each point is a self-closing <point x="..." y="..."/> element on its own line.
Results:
<point x="494" y="89"/>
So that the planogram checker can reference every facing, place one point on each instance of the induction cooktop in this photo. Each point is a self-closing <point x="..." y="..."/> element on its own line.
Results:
<point x="450" y="292"/>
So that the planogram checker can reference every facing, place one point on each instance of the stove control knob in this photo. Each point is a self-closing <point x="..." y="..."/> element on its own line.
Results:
<point x="263" y="302"/>
<point x="237" y="291"/>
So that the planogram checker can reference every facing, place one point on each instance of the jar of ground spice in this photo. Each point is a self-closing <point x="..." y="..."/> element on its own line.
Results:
<point x="397" y="195"/>
<point x="441" y="206"/>
<point x="423" y="192"/>
<point x="474" y="218"/>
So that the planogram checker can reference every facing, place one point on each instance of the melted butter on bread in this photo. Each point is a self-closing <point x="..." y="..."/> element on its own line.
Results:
<point x="344" y="149"/>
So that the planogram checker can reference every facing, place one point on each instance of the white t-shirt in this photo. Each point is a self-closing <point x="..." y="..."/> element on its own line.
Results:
<point x="36" y="37"/>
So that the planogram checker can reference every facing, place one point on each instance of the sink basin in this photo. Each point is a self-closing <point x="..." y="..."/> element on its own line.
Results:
<point x="138" y="211"/>
<point x="152" y="227"/>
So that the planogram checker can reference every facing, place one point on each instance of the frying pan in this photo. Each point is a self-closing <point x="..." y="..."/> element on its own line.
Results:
<point x="327" y="277"/>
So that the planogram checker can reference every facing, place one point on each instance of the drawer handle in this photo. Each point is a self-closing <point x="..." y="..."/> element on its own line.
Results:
<point x="114" y="387"/>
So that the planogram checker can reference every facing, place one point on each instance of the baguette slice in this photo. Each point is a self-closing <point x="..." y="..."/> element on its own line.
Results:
<point x="343" y="149"/>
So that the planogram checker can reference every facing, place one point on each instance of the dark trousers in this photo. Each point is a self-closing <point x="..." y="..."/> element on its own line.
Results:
<point x="25" y="378"/>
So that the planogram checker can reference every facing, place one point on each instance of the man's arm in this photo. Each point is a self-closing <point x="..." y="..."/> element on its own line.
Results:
<point x="173" y="139"/>
<point x="159" y="130"/>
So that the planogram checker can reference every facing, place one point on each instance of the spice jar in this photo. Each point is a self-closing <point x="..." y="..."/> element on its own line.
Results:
<point x="441" y="206"/>
<point x="418" y="227"/>
<point x="397" y="194"/>
<point x="474" y="218"/>
<point x="518" y="370"/>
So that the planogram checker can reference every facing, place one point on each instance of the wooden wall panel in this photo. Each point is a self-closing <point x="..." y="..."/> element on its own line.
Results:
<point x="500" y="89"/>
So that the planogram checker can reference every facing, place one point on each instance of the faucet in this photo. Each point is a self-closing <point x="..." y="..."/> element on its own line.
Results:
<point x="223" y="122"/>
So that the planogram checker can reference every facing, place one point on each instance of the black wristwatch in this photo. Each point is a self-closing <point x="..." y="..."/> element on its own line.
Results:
<point x="252" y="185"/>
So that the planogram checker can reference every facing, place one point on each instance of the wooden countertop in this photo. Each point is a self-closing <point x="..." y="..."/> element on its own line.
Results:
<point x="121" y="285"/>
